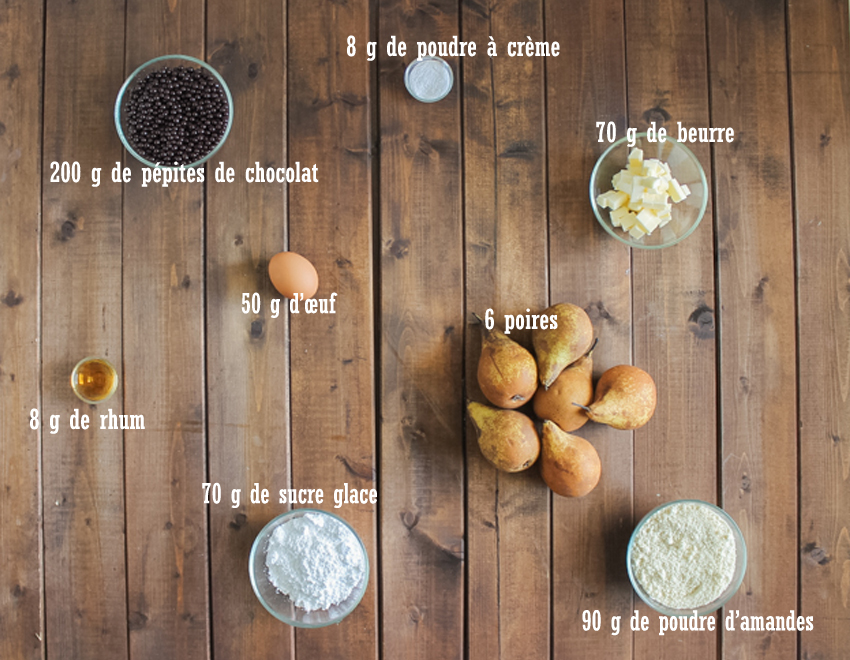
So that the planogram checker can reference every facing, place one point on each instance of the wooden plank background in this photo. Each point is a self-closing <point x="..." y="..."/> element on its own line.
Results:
<point x="423" y="214"/>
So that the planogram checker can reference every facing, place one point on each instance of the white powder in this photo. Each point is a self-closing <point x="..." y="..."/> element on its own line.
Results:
<point x="429" y="80"/>
<point x="315" y="560"/>
<point x="684" y="556"/>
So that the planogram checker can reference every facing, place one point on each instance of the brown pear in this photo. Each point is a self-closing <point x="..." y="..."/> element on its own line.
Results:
<point x="507" y="372"/>
<point x="567" y="336"/>
<point x="625" y="398"/>
<point x="573" y="386"/>
<point x="569" y="464"/>
<point x="507" y="438"/>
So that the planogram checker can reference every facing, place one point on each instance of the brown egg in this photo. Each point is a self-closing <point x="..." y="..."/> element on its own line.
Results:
<point x="292" y="274"/>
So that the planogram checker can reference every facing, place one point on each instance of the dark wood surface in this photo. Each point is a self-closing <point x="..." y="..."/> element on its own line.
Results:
<point x="423" y="214"/>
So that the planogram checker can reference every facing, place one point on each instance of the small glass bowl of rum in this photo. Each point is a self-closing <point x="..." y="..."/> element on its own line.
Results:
<point x="94" y="380"/>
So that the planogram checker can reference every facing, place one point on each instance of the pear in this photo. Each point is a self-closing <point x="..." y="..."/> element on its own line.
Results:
<point x="562" y="342"/>
<point x="569" y="465"/>
<point x="573" y="386"/>
<point x="625" y="398"/>
<point x="507" y="438"/>
<point x="507" y="372"/>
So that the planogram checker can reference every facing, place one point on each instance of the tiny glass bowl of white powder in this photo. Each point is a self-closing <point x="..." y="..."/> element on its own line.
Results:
<point x="309" y="568"/>
<point x="429" y="80"/>
<point x="686" y="555"/>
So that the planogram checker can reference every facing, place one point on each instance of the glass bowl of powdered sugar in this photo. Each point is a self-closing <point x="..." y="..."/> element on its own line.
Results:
<point x="309" y="568"/>
<point x="686" y="556"/>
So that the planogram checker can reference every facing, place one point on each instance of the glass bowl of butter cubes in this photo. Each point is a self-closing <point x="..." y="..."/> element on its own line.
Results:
<point x="646" y="194"/>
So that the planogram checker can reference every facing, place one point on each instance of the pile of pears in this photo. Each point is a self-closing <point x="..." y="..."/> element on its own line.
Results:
<point x="559" y="383"/>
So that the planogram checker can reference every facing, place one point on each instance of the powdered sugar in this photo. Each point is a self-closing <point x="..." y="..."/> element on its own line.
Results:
<point x="315" y="560"/>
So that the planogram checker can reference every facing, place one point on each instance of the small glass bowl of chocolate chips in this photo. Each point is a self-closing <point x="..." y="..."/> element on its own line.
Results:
<point x="173" y="111"/>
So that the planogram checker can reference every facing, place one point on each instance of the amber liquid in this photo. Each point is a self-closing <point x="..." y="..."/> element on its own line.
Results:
<point x="94" y="380"/>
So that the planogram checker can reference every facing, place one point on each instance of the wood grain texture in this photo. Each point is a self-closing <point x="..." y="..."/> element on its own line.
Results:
<point x="21" y="586"/>
<point x="421" y="350"/>
<point x="586" y="84"/>
<point x="755" y="264"/>
<point x="85" y="601"/>
<point x="167" y="558"/>
<point x="819" y="47"/>
<point x="247" y="354"/>
<point x="333" y="391"/>
<point x="673" y="293"/>
<point x="508" y="516"/>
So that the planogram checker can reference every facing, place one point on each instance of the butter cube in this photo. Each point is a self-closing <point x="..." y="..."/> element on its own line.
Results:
<point x="677" y="193"/>
<point x="647" y="221"/>
<point x="654" y="201"/>
<point x="628" y="221"/>
<point x="650" y="182"/>
<point x="617" y="199"/>
<point x="636" y="161"/>
<point x="636" y="232"/>
<point x="623" y="181"/>
<point x="653" y="168"/>
<point x="617" y="216"/>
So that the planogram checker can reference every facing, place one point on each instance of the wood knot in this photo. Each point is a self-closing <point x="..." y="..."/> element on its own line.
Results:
<point x="400" y="248"/>
<point x="598" y="312"/>
<point x="656" y="114"/>
<point x="137" y="620"/>
<point x="701" y="322"/>
<point x="524" y="150"/>
<point x="758" y="294"/>
<point x="816" y="554"/>
<point x="238" y="522"/>
<point x="409" y="520"/>
<point x="12" y="299"/>
<point x="68" y="230"/>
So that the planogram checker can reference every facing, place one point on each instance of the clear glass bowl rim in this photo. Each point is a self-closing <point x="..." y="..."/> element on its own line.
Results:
<point x="727" y="594"/>
<point x="132" y="77"/>
<point x="255" y="548"/>
<point x="595" y="172"/>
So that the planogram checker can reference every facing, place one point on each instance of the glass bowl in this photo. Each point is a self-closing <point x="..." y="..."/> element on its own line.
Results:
<point x="278" y="604"/>
<point x="728" y="592"/>
<point x="153" y="65"/>
<point x="103" y="369"/>
<point x="685" y="168"/>
<point x="435" y="63"/>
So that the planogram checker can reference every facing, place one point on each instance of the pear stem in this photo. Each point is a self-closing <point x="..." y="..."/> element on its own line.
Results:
<point x="478" y="318"/>
<point x="585" y="408"/>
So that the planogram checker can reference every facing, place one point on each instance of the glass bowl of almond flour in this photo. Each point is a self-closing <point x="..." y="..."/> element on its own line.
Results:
<point x="309" y="568"/>
<point x="686" y="555"/>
